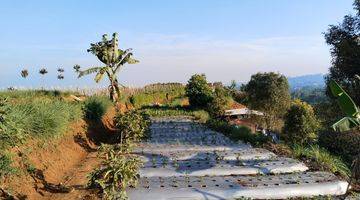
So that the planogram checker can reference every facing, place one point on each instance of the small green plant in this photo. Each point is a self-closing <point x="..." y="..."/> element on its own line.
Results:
<point x="95" y="107"/>
<point x="118" y="171"/>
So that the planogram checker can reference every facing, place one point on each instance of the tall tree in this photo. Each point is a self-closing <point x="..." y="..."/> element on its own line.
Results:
<point x="269" y="93"/>
<point x="108" y="53"/>
<point x="344" y="39"/>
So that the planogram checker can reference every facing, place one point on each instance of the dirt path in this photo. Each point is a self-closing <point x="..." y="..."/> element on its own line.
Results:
<point x="77" y="180"/>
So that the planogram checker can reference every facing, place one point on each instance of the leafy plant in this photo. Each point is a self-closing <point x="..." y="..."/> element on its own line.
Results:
<point x="118" y="171"/>
<point x="198" y="91"/>
<point x="132" y="126"/>
<point x="96" y="106"/>
<point x="108" y="53"/>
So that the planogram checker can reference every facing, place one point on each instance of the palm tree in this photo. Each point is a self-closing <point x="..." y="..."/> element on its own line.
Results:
<point x="60" y="70"/>
<point x="76" y="68"/>
<point x="108" y="53"/>
<point x="24" y="73"/>
<point x="60" y="76"/>
<point x="43" y="71"/>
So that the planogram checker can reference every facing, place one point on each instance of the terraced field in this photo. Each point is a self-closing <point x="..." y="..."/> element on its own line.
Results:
<point x="185" y="160"/>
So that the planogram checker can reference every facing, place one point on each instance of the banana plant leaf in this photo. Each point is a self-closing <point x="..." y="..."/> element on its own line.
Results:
<point x="345" y="101"/>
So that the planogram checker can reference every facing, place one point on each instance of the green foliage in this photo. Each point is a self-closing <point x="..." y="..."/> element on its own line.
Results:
<point x="269" y="93"/>
<point x="6" y="167"/>
<point x="237" y="133"/>
<point x="327" y="112"/>
<point x="96" y="106"/>
<point x="198" y="91"/>
<point x="310" y="94"/>
<point x="108" y="53"/>
<point x="219" y="102"/>
<point x="321" y="159"/>
<point x="38" y="118"/>
<point x="344" y="42"/>
<point x="132" y="126"/>
<point x="301" y="125"/>
<point x="345" y="144"/>
<point x="118" y="171"/>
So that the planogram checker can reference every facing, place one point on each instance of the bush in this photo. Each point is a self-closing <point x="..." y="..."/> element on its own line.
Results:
<point x="346" y="144"/>
<point x="321" y="159"/>
<point x="237" y="133"/>
<point x="96" y="106"/>
<point x="132" y="126"/>
<point x="198" y="91"/>
<point x="219" y="103"/>
<point x="301" y="125"/>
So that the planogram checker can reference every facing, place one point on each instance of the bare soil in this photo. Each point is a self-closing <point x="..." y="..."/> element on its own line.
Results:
<point x="58" y="169"/>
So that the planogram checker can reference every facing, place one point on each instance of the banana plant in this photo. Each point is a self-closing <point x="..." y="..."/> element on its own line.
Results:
<point x="347" y="105"/>
<point x="113" y="58"/>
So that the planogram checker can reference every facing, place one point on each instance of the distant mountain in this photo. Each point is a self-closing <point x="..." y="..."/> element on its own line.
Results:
<point x="311" y="81"/>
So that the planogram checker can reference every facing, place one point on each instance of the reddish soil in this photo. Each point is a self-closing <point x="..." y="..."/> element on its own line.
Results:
<point x="62" y="164"/>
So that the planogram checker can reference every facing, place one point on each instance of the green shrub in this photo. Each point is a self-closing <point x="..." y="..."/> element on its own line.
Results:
<point x="132" y="126"/>
<point x="96" y="106"/>
<point x="301" y="125"/>
<point x="321" y="159"/>
<point x="237" y="133"/>
<point x="198" y="91"/>
<point x="346" y="144"/>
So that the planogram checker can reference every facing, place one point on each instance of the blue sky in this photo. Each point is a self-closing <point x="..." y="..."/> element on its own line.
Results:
<point x="173" y="39"/>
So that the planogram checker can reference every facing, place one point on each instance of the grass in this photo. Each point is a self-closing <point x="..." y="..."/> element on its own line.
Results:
<point x="168" y="93"/>
<point x="96" y="106"/>
<point x="36" y="118"/>
<point x="321" y="159"/>
<point x="6" y="167"/>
